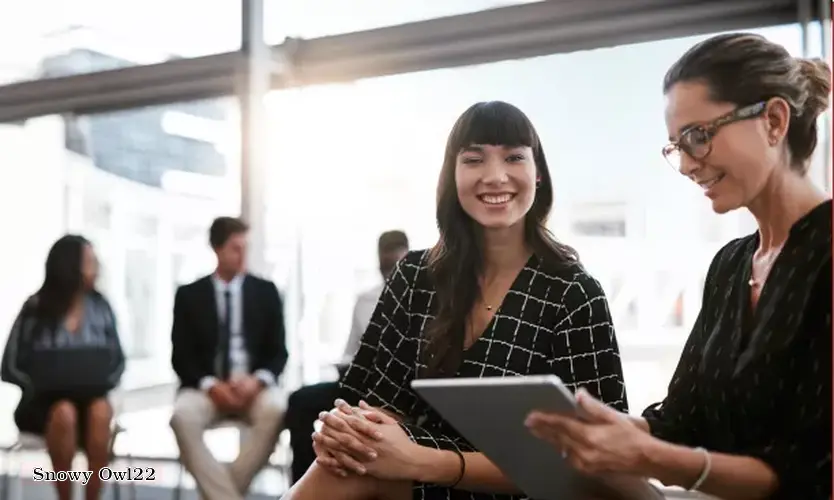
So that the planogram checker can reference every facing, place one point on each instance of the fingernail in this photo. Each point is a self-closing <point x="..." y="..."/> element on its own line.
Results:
<point x="340" y="402"/>
<point x="343" y="473"/>
<point x="361" y="470"/>
<point x="322" y="414"/>
<point x="372" y="455"/>
<point x="378" y="435"/>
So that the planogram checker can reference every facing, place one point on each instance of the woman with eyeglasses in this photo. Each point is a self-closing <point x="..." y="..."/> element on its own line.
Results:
<point x="748" y="411"/>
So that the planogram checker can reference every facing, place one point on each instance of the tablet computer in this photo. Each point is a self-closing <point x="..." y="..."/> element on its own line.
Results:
<point x="490" y="414"/>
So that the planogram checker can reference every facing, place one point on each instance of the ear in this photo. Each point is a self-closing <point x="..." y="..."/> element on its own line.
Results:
<point x="777" y="119"/>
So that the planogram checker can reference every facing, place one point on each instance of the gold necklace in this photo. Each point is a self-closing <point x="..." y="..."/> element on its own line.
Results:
<point x="753" y="282"/>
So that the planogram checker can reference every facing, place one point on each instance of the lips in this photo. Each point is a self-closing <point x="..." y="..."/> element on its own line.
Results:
<point x="496" y="199"/>
<point x="708" y="184"/>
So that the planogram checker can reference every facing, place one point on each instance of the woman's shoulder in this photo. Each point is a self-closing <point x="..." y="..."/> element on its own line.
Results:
<point x="730" y="257"/>
<point x="98" y="299"/>
<point x="565" y="274"/>
<point x="100" y="305"/>
<point x="30" y="306"/>
<point x="416" y="259"/>
<point x="567" y="283"/>
<point x="412" y="268"/>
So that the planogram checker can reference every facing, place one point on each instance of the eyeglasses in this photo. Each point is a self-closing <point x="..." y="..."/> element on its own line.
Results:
<point x="696" y="141"/>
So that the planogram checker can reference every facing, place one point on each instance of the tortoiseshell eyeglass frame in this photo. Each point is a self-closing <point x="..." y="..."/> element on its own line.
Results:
<point x="708" y="130"/>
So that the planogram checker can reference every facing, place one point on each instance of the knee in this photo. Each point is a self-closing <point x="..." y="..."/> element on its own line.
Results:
<point x="271" y="411"/>
<point x="318" y="482"/>
<point x="99" y="414"/>
<point x="183" y="419"/>
<point x="63" y="416"/>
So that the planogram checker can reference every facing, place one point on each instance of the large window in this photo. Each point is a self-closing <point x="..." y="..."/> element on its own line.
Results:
<point x="154" y="178"/>
<point x="37" y="37"/>
<point x="357" y="159"/>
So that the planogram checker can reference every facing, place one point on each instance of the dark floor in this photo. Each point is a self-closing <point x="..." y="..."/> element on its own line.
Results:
<point x="41" y="491"/>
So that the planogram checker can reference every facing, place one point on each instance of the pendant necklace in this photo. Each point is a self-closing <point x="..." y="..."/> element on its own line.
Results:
<point x="768" y="266"/>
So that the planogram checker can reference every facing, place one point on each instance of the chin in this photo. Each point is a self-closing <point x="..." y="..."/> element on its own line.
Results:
<point x="496" y="228"/>
<point x="492" y="224"/>
<point x="723" y="206"/>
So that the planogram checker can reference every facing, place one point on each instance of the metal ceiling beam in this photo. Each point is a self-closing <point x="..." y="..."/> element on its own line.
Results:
<point x="531" y="30"/>
<point x="139" y="86"/>
<point x="513" y="32"/>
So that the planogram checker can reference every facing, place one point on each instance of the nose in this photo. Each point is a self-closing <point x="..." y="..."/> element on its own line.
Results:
<point x="689" y="165"/>
<point x="495" y="171"/>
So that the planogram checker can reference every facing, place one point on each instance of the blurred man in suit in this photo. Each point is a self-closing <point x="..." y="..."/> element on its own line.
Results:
<point x="228" y="350"/>
<point x="305" y="404"/>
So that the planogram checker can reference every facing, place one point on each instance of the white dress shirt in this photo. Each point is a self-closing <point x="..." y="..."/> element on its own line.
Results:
<point x="362" y="312"/>
<point x="238" y="356"/>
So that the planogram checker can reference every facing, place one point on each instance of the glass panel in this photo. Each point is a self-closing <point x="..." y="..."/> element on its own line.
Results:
<point x="143" y="185"/>
<point x="371" y="158"/>
<point x="46" y="38"/>
<point x="821" y="164"/>
<point x="315" y="18"/>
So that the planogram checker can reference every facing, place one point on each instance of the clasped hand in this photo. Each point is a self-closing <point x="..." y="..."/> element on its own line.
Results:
<point x="603" y="441"/>
<point x="235" y="396"/>
<point x="362" y="440"/>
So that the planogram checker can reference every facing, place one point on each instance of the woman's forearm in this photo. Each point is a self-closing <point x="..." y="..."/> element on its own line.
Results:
<point x="443" y="467"/>
<point x="640" y="422"/>
<point x="731" y="477"/>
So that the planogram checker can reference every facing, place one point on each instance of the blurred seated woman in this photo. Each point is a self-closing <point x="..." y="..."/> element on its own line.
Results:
<point x="497" y="296"/>
<point x="65" y="325"/>
<point x="748" y="411"/>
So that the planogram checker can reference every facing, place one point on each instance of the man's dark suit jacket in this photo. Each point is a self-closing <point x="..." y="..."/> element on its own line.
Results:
<point x="196" y="331"/>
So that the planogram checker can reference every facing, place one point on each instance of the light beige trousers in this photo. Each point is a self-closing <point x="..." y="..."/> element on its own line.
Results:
<point x="194" y="412"/>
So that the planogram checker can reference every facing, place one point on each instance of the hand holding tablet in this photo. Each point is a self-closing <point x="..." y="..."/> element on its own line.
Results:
<point x="603" y="441"/>
<point x="491" y="414"/>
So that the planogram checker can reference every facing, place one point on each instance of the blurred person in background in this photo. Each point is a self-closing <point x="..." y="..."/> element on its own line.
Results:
<point x="228" y="350"/>
<point x="64" y="353"/>
<point x="391" y="248"/>
<point x="306" y="403"/>
<point x="748" y="411"/>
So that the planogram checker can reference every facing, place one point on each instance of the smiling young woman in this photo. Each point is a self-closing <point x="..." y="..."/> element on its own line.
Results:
<point x="496" y="296"/>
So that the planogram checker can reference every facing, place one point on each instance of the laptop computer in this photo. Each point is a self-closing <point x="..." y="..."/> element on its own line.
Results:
<point x="75" y="369"/>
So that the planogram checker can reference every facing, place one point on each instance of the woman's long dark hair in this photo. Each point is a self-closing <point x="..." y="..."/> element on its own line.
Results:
<point x="62" y="281"/>
<point x="456" y="261"/>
